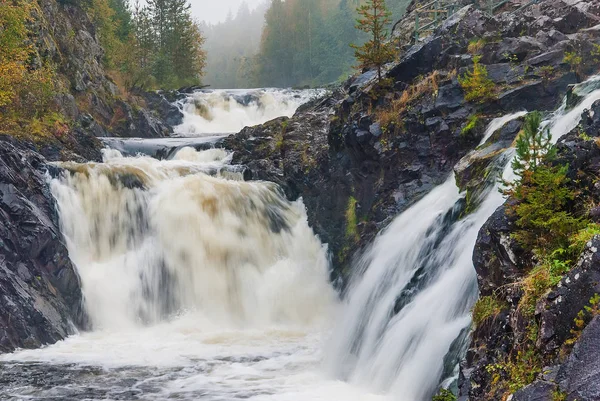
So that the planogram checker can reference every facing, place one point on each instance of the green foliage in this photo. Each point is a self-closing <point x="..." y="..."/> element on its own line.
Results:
<point x="444" y="395"/>
<point x="542" y="195"/>
<point x="546" y="72"/>
<point x="487" y="307"/>
<point x="373" y="19"/>
<point x="543" y="217"/>
<point x="476" y="46"/>
<point x="558" y="395"/>
<point x="582" y="237"/>
<point x="596" y="52"/>
<point x="476" y="84"/>
<point x="574" y="60"/>
<point x="352" y="220"/>
<point x="533" y="147"/>
<point x="473" y="123"/>
<point x="158" y="45"/>
<point x="27" y="81"/>
<point x="524" y="368"/>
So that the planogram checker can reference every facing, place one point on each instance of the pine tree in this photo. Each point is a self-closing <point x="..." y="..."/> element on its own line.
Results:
<point x="377" y="51"/>
<point x="533" y="146"/>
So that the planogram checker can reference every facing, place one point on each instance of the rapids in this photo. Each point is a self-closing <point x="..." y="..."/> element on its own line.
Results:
<point x="210" y="112"/>
<point x="198" y="285"/>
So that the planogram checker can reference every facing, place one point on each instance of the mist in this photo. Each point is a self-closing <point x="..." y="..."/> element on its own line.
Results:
<point x="212" y="12"/>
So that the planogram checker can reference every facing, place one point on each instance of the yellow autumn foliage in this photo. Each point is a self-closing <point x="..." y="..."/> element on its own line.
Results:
<point x="25" y="90"/>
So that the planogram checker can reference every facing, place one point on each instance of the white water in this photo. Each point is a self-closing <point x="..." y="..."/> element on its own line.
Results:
<point x="210" y="112"/>
<point x="200" y="286"/>
<point x="409" y="304"/>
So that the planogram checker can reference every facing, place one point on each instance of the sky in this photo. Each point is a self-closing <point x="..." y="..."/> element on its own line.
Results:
<point x="213" y="11"/>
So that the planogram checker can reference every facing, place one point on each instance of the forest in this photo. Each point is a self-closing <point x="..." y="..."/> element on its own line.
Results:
<point x="286" y="43"/>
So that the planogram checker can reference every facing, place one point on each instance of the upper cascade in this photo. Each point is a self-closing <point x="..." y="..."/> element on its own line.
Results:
<point x="210" y="112"/>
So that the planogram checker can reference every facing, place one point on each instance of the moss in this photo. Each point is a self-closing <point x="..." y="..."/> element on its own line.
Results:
<point x="444" y="395"/>
<point x="476" y="46"/>
<point x="487" y="307"/>
<point x="279" y="137"/>
<point x="558" y="395"/>
<point x="473" y="123"/>
<point x="352" y="220"/>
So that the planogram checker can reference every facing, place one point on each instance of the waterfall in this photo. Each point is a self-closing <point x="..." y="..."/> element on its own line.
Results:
<point x="153" y="238"/>
<point x="406" y="315"/>
<point x="209" y="112"/>
<point x="199" y="285"/>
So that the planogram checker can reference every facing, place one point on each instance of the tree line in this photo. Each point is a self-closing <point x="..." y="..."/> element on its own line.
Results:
<point x="302" y="42"/>
<point x="153" y="45"/>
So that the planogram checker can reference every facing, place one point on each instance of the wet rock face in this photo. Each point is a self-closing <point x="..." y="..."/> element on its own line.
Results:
<point x="570" y="297"/>
<point x="501" y="265"/>
<point x="39" y="288"/>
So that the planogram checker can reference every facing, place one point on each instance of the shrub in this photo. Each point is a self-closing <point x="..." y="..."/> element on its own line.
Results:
<point x="27" y="83"/>
<point x="487" y="307"/>
<point x="476" y="84"/>
<point x="473" y="123"/>
<point x="574" y="60"/>
<point x="476" y="46"/>
<point x="444" y="395"/>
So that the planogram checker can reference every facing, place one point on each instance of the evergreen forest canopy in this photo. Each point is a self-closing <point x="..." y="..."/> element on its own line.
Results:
<point x="287" y="43"/>
<point x="154" y="45"/>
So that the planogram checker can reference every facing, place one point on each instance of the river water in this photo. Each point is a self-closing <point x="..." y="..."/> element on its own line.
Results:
<point x="199" y="285"/>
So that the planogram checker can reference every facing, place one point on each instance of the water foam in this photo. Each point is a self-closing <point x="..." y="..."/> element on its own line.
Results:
<point x="210" y="112"/>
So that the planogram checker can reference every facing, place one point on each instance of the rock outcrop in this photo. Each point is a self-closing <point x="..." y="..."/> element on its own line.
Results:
<point x="39" y="288"/>
<point x="502" y="265"/>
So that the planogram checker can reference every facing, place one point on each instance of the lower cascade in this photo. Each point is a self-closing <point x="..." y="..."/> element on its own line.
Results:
<point x="152" y="238"/>
<point x="199" y="285"/>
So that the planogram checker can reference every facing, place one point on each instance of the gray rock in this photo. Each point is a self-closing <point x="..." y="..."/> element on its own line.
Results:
<point x="536" y="391"/>
<point x="580" y="375"/>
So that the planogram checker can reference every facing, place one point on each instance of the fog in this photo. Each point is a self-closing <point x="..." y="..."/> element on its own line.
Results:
<point x="214" y="11"/>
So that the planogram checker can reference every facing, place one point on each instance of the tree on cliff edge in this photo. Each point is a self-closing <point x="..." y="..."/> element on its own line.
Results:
<point x="377" y="51"/>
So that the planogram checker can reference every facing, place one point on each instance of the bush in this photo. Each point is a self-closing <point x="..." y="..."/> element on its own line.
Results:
<point x="476" y="84"/>
<point x="487" y="307"/>
<point x="444" y="395"/>
<point x="26" y="87"/>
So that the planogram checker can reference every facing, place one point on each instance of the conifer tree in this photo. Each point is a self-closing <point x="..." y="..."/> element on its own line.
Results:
<point x="377" y="51"/>
<point x="533" y="146"/>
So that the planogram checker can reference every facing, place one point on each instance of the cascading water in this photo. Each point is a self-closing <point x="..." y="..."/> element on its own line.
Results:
<point x="199" y="285"/>
<point x="407" y="311"/>
<point x="209" y="112"/>
<point x="152" y="237"/>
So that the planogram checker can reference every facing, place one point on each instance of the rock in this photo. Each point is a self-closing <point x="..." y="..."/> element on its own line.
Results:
<point x="536" y="391"/>
<point x="571" y="296"/>
<point x="39" y="287"/>
<point x="496" y="255"/>
<point x="165" y="109"/>
<point x="579" y="377"/>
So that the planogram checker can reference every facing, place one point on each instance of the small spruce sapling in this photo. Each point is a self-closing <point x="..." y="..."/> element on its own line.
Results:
<point x="378" y="50"/>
